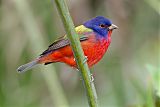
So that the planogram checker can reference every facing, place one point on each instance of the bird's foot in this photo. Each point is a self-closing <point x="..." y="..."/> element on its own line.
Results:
<point x="85" y="60"/>
<point x="75" y="68"/>
<point x="92" y="77"/>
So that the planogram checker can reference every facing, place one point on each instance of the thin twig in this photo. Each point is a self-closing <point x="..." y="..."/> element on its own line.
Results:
<point x="78" y="52"/>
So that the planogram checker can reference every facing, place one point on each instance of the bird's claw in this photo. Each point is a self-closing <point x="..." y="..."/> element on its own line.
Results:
<point x="92" y="78"/>
<point x="85" y="60"/>
<point x="75" y="68"/>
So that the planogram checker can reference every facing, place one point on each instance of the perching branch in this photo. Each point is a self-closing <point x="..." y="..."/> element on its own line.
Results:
<point x="78" y="52"/>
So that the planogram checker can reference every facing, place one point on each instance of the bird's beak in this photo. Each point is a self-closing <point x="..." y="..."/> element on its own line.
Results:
<point x="112" y="27"/>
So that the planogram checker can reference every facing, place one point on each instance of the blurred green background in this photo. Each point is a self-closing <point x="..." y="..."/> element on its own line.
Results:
<point x="127" y="76"/>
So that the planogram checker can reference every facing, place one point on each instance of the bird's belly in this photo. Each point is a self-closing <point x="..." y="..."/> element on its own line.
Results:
<point x="96" y="52"/>
<point x="93" y="50"/>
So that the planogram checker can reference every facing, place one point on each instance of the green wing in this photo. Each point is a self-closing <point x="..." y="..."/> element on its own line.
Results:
<point x="63" y="41"/>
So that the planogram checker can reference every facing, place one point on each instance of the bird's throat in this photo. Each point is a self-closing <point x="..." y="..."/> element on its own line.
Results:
<point x="109" y="33"/>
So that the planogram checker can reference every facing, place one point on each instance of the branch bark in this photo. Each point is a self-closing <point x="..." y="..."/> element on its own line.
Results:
<point x="78" y="52"/>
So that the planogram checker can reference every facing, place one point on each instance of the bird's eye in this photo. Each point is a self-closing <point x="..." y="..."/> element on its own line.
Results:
<point x="102" y="26"/>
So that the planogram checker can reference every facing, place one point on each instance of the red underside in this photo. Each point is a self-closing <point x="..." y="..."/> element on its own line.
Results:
<point x="93" y="49"/>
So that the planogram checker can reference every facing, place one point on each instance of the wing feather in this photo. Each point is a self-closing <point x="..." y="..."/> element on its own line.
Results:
<point x="63" y="41"/>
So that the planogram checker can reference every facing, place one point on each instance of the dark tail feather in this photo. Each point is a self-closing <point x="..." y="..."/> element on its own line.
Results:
<point x="27" y="66"/>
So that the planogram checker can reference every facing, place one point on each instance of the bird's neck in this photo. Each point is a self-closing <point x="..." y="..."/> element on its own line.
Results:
<point x="109" y="33"/>
<point x="106" y="37"/>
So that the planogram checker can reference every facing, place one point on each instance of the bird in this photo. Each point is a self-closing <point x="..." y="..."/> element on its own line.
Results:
<point x="94" y="36"/>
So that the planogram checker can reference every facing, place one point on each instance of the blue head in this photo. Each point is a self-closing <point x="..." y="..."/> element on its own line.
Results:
<point x="100" y="25"/>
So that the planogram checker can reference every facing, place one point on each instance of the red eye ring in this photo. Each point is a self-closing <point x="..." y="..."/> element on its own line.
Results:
<point x="102" y="26"/>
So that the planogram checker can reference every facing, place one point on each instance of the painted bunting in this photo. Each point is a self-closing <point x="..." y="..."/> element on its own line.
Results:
<point x="95" y="37"/>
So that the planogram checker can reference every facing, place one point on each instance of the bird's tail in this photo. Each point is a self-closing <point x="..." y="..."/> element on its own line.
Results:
<point x="27" y="66"/>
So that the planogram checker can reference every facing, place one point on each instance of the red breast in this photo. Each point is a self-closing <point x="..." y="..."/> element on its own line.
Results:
<point x="94" y="50"/>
